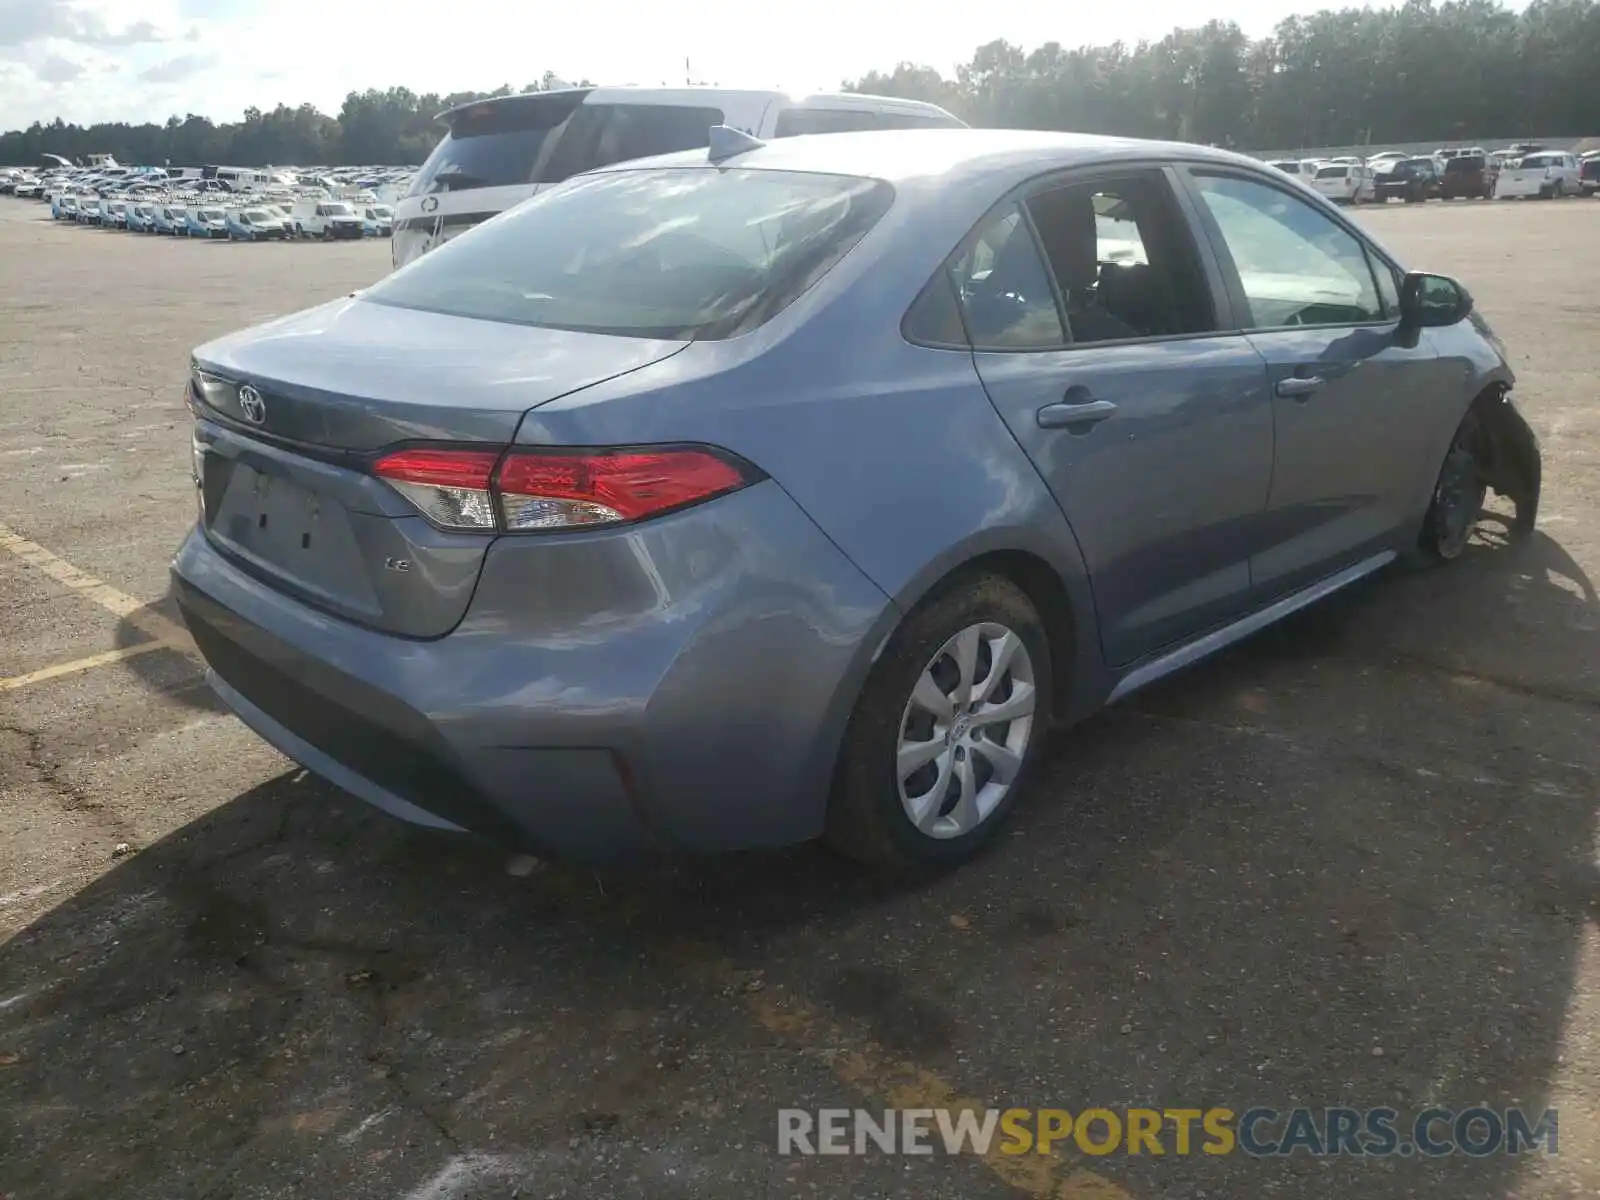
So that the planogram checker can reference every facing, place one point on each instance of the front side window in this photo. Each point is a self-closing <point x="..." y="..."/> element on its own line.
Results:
<point x="673" y="253"/>
<point x="598" y="135"/>
<point x="1004" y="288"/>
<point x="1296" y="265"/>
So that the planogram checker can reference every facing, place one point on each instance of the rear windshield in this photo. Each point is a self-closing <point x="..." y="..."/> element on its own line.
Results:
<point x="494" y="145"/>
<point x="1332" y="172"/>
<point x="1465" y="162"/>
<point x="1540" y="160"/>
<point x="599" y="135"/>
<point x="1417" y="164"/>
<point x="684" y="253"/>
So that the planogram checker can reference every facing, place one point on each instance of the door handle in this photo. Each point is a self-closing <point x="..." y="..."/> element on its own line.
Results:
<point x="1072" y="416"/>
<point x="1299" y="386"/>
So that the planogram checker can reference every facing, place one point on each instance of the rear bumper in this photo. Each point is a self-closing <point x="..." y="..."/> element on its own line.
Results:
<point x="1510" y="189"/>
<point x="680" y="686"/>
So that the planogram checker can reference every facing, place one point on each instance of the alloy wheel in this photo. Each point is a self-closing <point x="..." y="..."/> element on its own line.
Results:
<point x="964" y="732"/>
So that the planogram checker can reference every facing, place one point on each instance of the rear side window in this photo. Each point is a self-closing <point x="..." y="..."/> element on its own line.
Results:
<point x="494" y="145"/>
<point x="1004" y="287"/>
<point x="793" y="122"/>
<point x="1122" y="259"/>
<point x="601" y="134"/>
<point x="679" y="253"/>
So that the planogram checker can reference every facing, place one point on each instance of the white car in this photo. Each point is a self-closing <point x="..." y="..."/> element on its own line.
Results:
<point x="1345" y="183"/>
<point x="499" y="152"/>
<point x="1547" y="175"/>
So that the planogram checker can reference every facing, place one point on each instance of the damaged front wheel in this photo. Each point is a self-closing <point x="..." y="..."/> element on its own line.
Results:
<point x="1494" y="447"/>
<point x="1458" y="494"/>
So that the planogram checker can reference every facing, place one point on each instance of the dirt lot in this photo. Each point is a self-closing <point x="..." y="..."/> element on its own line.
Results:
<point x="1352" y="862"/>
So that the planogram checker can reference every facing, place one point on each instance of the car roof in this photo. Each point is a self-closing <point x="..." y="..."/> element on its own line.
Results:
<point x="904" y="155"/>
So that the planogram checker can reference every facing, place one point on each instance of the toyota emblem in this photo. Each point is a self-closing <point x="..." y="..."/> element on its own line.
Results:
<point x="252" y="405"/>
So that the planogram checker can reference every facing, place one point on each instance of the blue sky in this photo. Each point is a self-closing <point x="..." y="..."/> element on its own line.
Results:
<point x="134" y="60"/>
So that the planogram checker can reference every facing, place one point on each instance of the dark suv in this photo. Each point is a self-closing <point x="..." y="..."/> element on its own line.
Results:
<point x="1470" y="175"/>
<point x="1410" y="179"/>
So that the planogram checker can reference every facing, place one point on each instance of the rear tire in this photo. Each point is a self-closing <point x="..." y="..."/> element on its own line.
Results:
<point x="946" y="731"/>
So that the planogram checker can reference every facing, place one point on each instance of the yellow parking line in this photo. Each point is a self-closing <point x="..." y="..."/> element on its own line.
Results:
<point x="81" y="664"/>
<point x="872" y="1071"/>
<point x="135" y="612"/>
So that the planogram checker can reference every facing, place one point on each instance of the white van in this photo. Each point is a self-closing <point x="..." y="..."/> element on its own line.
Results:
<point x="501" y="151"/>
<point x="323" y="218"/>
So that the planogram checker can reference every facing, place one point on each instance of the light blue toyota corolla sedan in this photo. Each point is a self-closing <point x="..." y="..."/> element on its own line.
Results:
<point x="745" y="497"/>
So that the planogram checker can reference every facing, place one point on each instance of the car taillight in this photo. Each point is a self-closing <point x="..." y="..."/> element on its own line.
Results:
<point x="532" y="490"/>
<point x="449" y="487"/>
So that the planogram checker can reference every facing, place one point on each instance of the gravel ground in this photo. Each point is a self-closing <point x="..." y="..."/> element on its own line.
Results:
<point x="1352" y="862"/>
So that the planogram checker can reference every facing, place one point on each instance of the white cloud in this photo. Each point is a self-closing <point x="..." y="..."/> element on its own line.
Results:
<point x="176" y="70"/>
<point x="56" y="69"/>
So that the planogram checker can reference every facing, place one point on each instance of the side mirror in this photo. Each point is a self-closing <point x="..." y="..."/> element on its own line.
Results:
<point x="1432" y="301"/>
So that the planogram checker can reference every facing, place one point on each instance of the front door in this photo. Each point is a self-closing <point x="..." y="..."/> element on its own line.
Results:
<point x="1152" y="430"/>
<point x="1352" y="394"/>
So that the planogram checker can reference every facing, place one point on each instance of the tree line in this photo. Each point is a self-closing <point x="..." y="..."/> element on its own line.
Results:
<point x="1424" y="71"/>
<point x="1460" y="70"/>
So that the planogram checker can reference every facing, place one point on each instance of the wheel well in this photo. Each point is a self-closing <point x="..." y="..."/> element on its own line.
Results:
<point x="1049" y="595"/>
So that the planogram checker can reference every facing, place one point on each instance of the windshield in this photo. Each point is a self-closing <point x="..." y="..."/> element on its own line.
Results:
<point x="494" y="145"/>
<point x="687" y="253"/>
<point x="210" y="214"/>
<point x="382" y="212"/>
<point x="336" y="210"/>
<point x="257" y="214"/>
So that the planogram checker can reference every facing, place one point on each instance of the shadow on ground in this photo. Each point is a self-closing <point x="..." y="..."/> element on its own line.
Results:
<point x="1348" y="863"/>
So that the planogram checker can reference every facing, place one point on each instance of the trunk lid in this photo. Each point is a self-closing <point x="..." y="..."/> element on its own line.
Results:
<point x="292" y="414"/>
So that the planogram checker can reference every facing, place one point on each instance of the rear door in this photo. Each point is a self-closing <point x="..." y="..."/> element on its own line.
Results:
<point x="1107" y="358"/>
<point x="1355" y="400"/>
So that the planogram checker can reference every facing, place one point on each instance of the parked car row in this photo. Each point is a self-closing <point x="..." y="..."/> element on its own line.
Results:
<point x="252" y="220"/>
<point x="1455" y="174"/>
